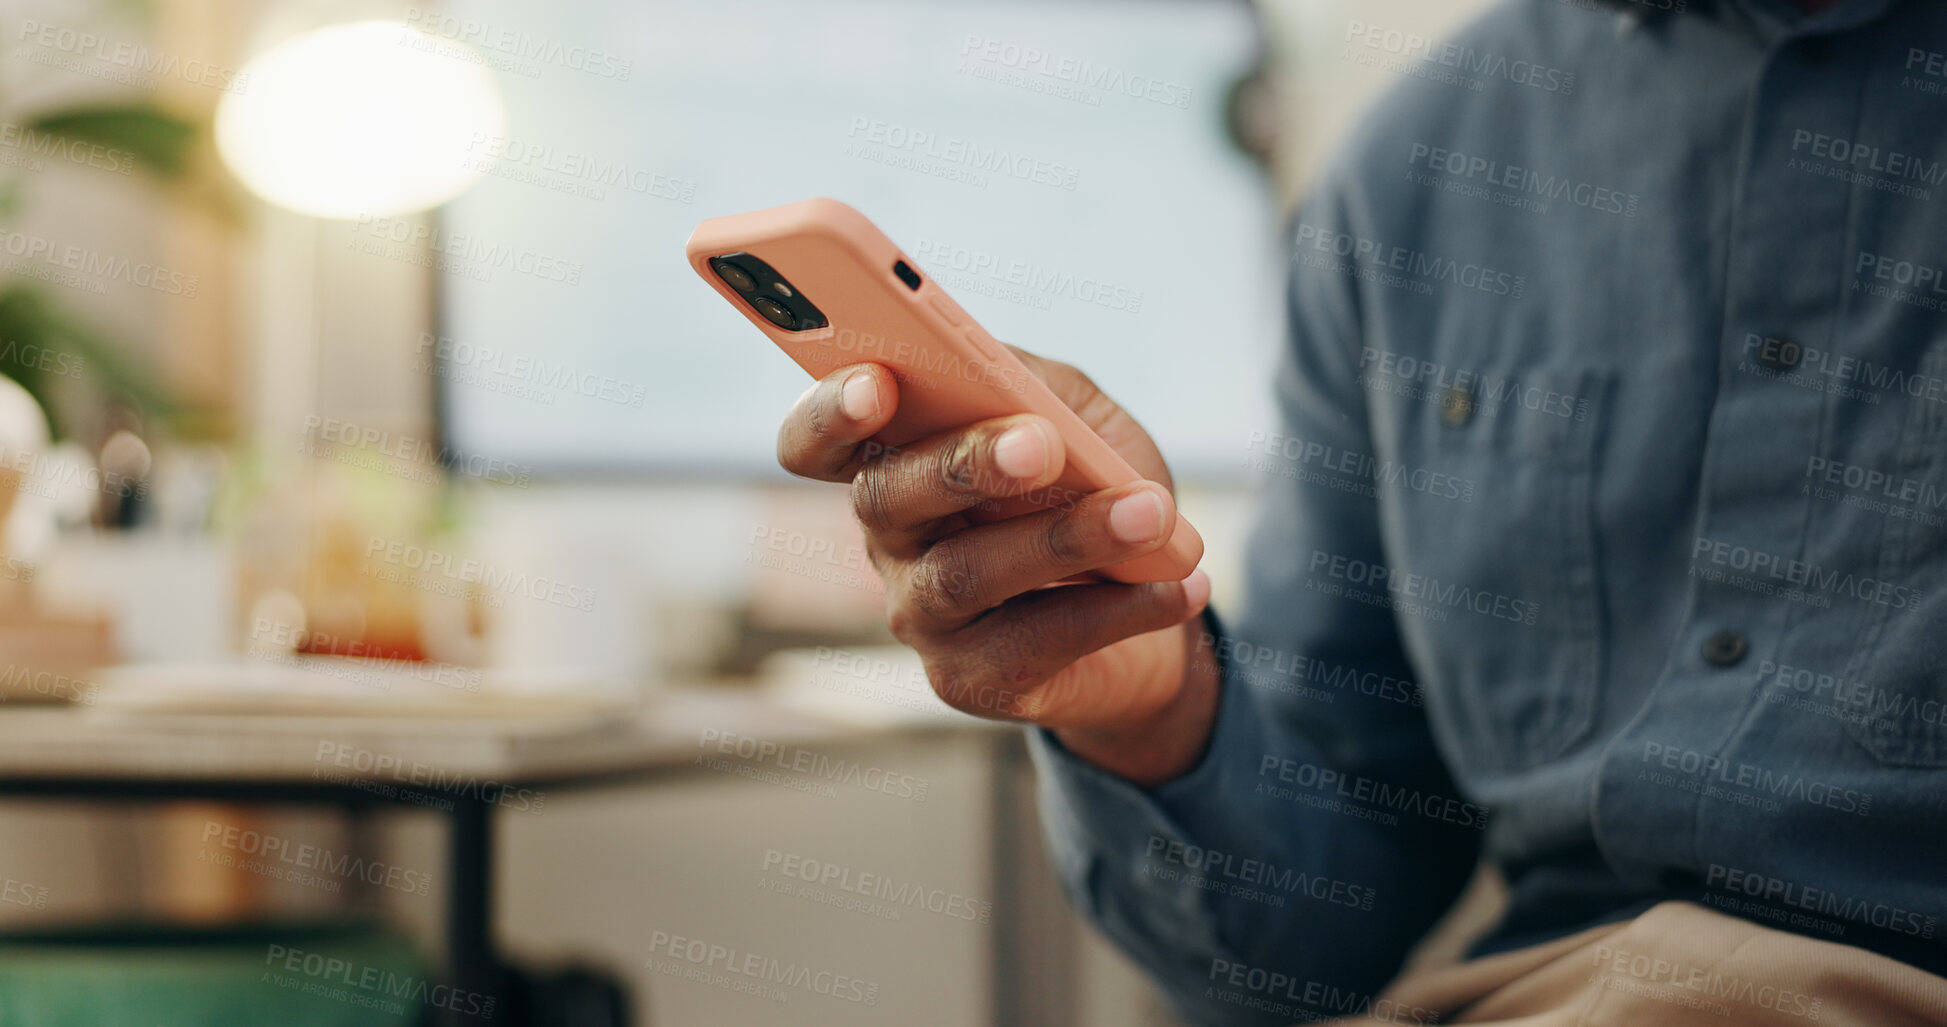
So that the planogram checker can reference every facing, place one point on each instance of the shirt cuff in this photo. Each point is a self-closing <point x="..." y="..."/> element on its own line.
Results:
<point x="1091" y="812"/>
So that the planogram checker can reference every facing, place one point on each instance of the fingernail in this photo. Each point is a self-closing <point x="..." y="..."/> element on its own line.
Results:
<point x="1196" y="589"/>
<point x="860" y="396"/>
<point x="1021" y="452"/>
<point x="1137" y="517"/>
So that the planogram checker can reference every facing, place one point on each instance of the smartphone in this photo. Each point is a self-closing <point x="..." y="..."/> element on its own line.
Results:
<point x="831" y="290"/>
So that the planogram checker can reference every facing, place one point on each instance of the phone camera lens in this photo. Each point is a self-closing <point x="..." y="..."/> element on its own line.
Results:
<point x="775" y="312"/>
<point x="736" y="276"/>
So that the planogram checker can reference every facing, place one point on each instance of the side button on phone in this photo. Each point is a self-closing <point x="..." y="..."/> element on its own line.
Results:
<point x="951" y="310"/>
<point x="983" y="342"/>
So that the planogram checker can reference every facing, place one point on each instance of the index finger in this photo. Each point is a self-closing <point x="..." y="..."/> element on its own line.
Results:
<point x="821" y="436"/>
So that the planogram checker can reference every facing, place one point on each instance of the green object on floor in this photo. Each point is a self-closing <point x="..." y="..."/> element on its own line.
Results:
<point x="287" y="975"/>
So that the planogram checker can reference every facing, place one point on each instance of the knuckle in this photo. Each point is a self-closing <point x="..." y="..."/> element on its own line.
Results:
<point x="1065" y="543"/>
<point x="872" y="499"/>
<point x="791" y="453"/>
<point x="816" y="415"/>
<point x="959" y="466"/>
<point x="905" y="623"/>
<point x="943" y="582"/>
<point x="810" y="441"/>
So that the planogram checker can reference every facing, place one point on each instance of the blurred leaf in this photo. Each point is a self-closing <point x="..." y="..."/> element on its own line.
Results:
<point x="23" y="336"/>
<point x="158" y="140"/>
<point x="18" y="330"/>
<point x="37" y="341"/>
<point x="179" y="152"/>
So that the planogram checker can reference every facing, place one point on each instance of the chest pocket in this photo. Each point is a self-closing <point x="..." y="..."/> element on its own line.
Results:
<point x="1900" y="673"/>
<point x="1513" y="668"/>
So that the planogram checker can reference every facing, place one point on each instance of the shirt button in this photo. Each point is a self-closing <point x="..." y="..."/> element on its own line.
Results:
<point x="1725" y="648"/>
<point x="1456" y="406"/>
<point x="1781" y="353"/>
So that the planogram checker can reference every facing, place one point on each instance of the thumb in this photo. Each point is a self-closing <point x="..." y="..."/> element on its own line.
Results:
<point x="1079" y="393"/>
<point x="1066" y="381"/>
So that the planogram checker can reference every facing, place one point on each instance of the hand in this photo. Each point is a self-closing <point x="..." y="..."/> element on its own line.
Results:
<point x="1107" y="666"/>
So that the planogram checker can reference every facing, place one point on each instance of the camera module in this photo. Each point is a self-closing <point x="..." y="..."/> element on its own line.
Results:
<point x="768" y="292"/>
<point x="734" y="276"/>
<point x="775" y="312"/>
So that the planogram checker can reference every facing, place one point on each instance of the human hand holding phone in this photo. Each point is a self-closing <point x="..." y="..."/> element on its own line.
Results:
<point x="982" y="474"/>
<point x="1109" y="666"/>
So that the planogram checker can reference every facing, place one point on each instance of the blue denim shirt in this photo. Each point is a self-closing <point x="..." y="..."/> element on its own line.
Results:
<point x="1605" y="531"/>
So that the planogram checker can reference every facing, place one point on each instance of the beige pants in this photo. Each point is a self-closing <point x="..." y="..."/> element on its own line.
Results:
<point x="1677" y="965"/>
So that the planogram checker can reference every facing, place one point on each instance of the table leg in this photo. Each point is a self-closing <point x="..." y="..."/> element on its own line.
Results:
<point x="472" y="965"/>
<point x="363" y="839"/>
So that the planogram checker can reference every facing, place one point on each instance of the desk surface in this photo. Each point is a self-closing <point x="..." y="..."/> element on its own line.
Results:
<point x="667" y="731"/>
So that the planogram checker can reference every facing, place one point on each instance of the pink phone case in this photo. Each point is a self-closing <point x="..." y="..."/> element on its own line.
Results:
<point x="951" y="372"/>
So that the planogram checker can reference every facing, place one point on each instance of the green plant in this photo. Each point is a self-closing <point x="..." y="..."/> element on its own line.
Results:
<point x="34" y="324"/>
